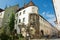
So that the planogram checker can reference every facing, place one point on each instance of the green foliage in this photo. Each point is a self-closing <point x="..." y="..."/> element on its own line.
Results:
<point x="21" y="36"/>
<point x="4" y="36"/>
<point x="11" y="23"/>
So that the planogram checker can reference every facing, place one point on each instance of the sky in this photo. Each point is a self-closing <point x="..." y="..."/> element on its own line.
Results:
<point x="46" y="8"/>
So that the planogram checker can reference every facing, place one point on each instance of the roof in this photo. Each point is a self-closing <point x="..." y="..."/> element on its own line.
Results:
<point x="1" y="10"/>
<point x="26" y="5"/>
<point x="30" y="4"/>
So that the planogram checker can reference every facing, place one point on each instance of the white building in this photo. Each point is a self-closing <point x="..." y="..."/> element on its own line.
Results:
<point x="1" y="16"/>
<point x="23" y="14"/>
<point x="57" y="11"/>
<point x="28" y="21"/>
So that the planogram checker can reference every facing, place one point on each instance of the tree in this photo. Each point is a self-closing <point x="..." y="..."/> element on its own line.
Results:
<point x="4" y="36"/>
<point x="11" y="23"/>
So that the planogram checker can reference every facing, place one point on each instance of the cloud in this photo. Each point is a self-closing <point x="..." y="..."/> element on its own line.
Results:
<point x="50" y="17"/>
<point x="43" y="13"/>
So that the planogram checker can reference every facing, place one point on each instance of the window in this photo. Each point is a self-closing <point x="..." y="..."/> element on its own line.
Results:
<point x="16" y="21"/>
<point x="17" y="14"/>
<point x="32" y="17"/>
<point x="37" y="18"/>
<point x="23" y="19"/>
<point x="24" y="12"/>
<point x="20" y="13"/>
<point x="19" y="20"/>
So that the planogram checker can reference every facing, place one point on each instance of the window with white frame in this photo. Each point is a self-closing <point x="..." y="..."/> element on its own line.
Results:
<point x="16" y="21"/>
<point x="24" y="12"/>
<point x="23" y="19"/>
<point x="20" y="13"/>
<point x="16" y="14"/>
<point x="19" y="20"/>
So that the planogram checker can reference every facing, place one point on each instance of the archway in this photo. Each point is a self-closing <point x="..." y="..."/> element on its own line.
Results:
<point x="42" y="32"/>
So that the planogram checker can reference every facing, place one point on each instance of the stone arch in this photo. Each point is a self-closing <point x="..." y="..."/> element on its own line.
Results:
<point x="42" y="32"/>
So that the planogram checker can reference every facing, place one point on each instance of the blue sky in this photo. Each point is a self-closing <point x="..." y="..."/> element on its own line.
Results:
<point x="45" y="7"/>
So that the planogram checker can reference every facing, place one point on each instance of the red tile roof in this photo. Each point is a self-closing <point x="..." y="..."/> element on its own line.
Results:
<point x="27" y="5"/>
